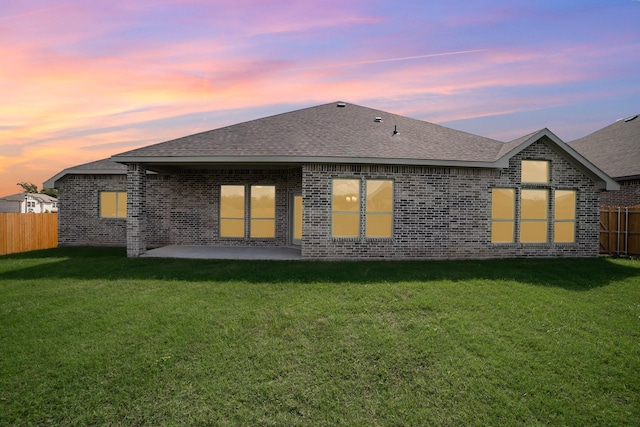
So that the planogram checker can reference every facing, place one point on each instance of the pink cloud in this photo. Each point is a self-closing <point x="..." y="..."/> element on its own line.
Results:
<point x="105" y="71"/>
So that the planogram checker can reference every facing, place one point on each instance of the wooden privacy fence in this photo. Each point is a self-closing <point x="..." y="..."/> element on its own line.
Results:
<point x="620" y="231"/>
<point x="20" y="232"/>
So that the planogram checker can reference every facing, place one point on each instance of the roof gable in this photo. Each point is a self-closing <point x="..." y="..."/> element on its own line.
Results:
<point x="514" y="147"/>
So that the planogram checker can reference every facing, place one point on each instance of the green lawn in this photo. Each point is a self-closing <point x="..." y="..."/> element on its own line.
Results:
<point x="89" y="337"/>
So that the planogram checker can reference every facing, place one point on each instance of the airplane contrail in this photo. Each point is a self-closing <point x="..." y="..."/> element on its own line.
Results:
<point x="404" y="58"/>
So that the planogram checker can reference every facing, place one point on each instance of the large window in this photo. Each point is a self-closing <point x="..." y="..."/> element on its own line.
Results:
<point x="113" y="204"/>
<point x="502" y="215"/>
<point x="379" y="209"/>
<point x="263" y="211"/>
<point x="232" y="211"/>
<point x="564" y="223"/>
<point x="346" y="208"/>
<point x="533" y="216"/>
<point x="535" y="171"/>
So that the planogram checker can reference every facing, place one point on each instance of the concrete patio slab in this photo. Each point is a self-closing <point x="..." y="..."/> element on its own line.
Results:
<point x="225" y="252"/>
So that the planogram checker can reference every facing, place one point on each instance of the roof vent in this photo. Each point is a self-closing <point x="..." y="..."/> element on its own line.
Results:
<point x="341" y="104"/>
<point x="378" y="120"/>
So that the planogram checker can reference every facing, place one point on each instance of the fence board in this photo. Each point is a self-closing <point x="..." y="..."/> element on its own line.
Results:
<point x="27" y="232"/>
<point x="620" y="230"/>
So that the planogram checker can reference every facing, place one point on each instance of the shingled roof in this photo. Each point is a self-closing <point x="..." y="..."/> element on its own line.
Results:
<point x="99" y="167"/>
<point x="615" y="149"/>
<point x="336" y="132"/>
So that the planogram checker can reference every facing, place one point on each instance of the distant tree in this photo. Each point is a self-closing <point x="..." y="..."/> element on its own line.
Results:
<point x="28" y="187"/>
<point x="50" y="192"/>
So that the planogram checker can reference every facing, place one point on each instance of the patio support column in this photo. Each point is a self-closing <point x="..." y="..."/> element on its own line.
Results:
<point x="136" y="210"/>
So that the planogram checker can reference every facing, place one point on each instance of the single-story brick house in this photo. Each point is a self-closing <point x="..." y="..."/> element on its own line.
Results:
<point x="341" y="181"/>
<point x="615" y="149"/>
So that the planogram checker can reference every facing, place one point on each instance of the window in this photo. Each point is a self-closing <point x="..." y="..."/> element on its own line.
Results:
<point x="379" y="209"/>
<point x="232" y="211"/>
<point x="263" y="211"/>
<point x="564" y="220"/>
<point x="346" y="208"/>
<point x="113" y="204"/>
<point x="535" y="171"/>
<point x="533" y="216"/>
<point x="502" y="215"/>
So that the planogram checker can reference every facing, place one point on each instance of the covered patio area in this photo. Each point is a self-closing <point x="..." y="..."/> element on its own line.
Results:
<point x="288" y="253"/>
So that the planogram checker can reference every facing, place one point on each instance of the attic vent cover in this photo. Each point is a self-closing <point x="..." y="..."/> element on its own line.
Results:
<point x="341" y="104"/>
<point x="378" y="120"/>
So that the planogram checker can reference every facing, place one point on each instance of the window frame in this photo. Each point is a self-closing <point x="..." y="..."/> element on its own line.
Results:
<point x="557" y="220"/>
<point x="530" y="163"/>
<point x="248" y="217"/>
<point x="503" y="220"/>
<point x="534" y="220"/>
<point x="259" y="220"/>
<point x="335" y="214"/>
<point x="523" y="219"/>
<point x="363" y="211"/>
<point x="117" y="195"/>
<point x="222" y="219"/>
<point x="374" y="213"/>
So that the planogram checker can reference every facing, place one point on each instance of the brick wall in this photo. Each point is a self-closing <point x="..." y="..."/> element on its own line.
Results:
<point x="136" y="210"/>
<point x="444" y="212"/>
<point x="79" y="221"/>
<point x="183" y="208"/>
<point x="628" y="195"/>
<point x="438" y="212"/>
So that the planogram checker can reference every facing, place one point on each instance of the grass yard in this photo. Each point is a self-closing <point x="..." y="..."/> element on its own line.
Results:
<point x="89" y="337"/>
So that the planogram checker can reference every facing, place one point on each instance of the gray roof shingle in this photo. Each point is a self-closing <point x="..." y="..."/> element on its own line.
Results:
<point x="329" y="131"/>
<point x="99" y="167"/>
<point x="615" y="148"/>
<point x="337" y="133"/>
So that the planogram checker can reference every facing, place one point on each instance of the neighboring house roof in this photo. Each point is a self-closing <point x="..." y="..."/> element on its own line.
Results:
<point x="45" y="198"/>
<point x="335" y="133"/>
<point x="99" y="167"/>
<point x="615" y="148"/>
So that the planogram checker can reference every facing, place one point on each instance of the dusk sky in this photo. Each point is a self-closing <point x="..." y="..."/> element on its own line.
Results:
<point x="83" y="80"/>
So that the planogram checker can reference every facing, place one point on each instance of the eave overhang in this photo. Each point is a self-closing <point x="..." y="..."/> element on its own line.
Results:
<point x="52" y="182"/>
<point x="196" y="161"/>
